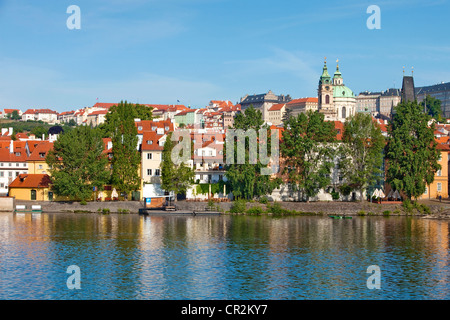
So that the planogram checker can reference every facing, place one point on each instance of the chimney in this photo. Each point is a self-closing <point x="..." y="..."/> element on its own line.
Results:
<point x="4" y="130"/>
<point x="11" y="147"/>
<point x="10" y="131"/>
<point x="43" y="136"/>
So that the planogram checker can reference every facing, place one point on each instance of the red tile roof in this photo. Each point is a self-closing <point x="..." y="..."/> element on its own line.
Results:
<point x="149" y="125"/>
<point x="277" y="107"/>
<point x="103" y="105"/>
<point x="19" y="153"/>
<point x="303" y="100"/>
<point x="31" y="181"/>
<point x="40" y="151"/>
<point x="37" y="111"/>
<point x="11" y="110"/>
<point x="150" y="141"/>
<point x="95" y="113"/>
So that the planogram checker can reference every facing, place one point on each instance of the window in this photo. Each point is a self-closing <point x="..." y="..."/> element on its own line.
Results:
<point x="149" y="172"/>
<point x="24" y="165"/>
<point x="149" y="141"/>
<point x="426" y="190"/>
<point x="18" y="154"/>
<point x="157" y="172"/>
<point x="439" y="186"/>
<point x="327" y="99"/>
<point x="2" y="174"/>
<point x="140" y="128"/>
<point x="42" y="154"/>
<point x="439" y="173"/>
<point x="17" y="164"/>
<point x="10" y="174"/>
<point x="149" y="156"/>
<point x="2" y="185"/>
<point x="41" y="166"/>
<point x="17" y="173"/>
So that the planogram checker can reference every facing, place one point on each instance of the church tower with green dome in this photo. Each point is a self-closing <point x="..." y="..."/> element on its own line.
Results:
<point x="325" y="93"/>
<point x="336" y="100"/>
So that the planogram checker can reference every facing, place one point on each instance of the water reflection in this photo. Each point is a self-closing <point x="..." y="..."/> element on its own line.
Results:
<point x="227" y="257"/>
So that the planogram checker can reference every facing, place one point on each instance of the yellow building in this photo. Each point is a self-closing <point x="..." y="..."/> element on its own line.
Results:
<point x="31" y="187"/>
<point x="36" y="160"/>
<point x="439" y="187"/>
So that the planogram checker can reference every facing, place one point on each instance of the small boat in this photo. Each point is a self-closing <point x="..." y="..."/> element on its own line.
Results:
<point x="339" y="217"/>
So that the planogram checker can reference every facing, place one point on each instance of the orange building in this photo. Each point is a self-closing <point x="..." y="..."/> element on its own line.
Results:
<point x="439" y="187"/>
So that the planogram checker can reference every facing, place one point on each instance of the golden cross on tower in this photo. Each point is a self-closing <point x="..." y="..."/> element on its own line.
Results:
<point x="337" y="60"/>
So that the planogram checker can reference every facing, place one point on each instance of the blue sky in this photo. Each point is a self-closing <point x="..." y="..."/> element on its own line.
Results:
<point x="161" y="51"/>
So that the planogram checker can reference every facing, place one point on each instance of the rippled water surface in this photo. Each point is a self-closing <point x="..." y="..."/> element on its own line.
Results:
<point x="221" y="257"/>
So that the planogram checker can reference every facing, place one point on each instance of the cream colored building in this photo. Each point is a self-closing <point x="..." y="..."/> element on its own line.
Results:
<point x="276" y="113"/>
<point x="151" y="155"/>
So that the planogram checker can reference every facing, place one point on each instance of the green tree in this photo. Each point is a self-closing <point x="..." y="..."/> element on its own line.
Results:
<point x="77" y="163"/>
<point x="308" y="151"/>
<point x="39" y="131"/>
<point x="432" y="107"/>
<point x="412" y="157"/>
<point x="362" y="152"/>
<point x="174" y="178"/>
<point x="126" y="158"/>
<point x="14" y="115"/>
<point x="246" y="180"/>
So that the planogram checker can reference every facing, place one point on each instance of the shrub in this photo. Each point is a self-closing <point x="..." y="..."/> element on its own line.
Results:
<point x="361" y="213"/>
<point x="276" y="208"/>
<point x="424" y="209"/>
<point x="83" y="202"/>
<point x="255" y="210"/>
<point x="106" y="211"/>
<point x="335" y="195"/>
<point x="264" y="200"/>
<point x="239" y="206"/>
<point x="407" y="205"/>
<point x="386" y="213"/>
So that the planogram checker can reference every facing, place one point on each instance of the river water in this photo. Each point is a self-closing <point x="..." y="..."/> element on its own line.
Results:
<point x="222" y="257"/>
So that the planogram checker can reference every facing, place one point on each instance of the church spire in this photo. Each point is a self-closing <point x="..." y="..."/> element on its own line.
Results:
<point x="325" y="77"/>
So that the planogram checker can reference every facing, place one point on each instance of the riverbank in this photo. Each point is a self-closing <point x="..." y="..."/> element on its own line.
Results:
<point x="426" y="208"/>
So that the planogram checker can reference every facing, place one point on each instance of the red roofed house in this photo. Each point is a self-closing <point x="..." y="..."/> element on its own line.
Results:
<point x="13" y="161"/>
<point x="45" y="115"/>
<point x="96" y="118"/>
<point x="6" y="112"/>
<point x="36" y="160"/>
<point x="276" y="113"/>
<point x="31" y="187"/>
<point x="151" y="155"/>
<point x="297" y="106"/>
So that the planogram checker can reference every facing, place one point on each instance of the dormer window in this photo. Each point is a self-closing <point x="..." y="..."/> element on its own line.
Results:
<point x="149" y="141"/>
<point x="18" y="154"/>
<point x="42" y="154"/>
